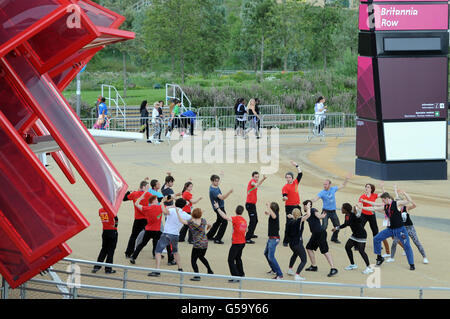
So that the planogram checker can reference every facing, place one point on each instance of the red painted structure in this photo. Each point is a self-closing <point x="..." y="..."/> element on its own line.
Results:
<point x="44" y="44"/>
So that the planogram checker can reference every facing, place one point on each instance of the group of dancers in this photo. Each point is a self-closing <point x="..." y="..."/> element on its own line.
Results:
<point x="166" y="217"/>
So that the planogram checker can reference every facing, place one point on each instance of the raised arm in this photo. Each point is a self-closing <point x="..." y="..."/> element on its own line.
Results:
<point x="223" y="197"/>
<point x="270" y="212"/>
<point x="193" y="202"/>
<point x="221" y="213"/>
<point x="261" y="181"/>
<point x="307" y="213"/>
<point x="300" y="173"/>
<point x="184" y="222"/>
<point x="347" y="178"/>
<point x="371" y="208"/>
<point x="137" y="202"/>
<point x="413" y="204"/>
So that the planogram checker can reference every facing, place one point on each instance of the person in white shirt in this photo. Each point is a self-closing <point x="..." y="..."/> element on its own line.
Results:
<point x="319" y="111"/>
<point x="157" y="123"/>
<point x="170" y="234"/>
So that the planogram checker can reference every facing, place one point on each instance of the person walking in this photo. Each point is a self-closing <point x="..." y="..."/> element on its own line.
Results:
<point x="170" y="235"/>
<point x="102" y="114"/>
<point x="238" y="241"/>
<point x="253" y="116"/>
<point x="153" y="214"/>
<point x="295" y="231"/>
<point x="144" y="120"/>
<point x="328" y="196"/>
<point x="319" y="115"/>
<point x="392" y="209"/>
<point x="291" y="196"/>
<point x="215" y="195"/>
<point x="318" y="240"/>
<point x="250" y="205"/>
<point x="157" y="123"/>
<point x="187" y="196"/>
<point x="273" y="210"/>
<point x="140" y="221"/>
<point x="109" y="240"/>
<point x="241" y="117"/>
<point x="409" y="228"/>
<point x="357" y="239"/>
<point x="198" y="226"/>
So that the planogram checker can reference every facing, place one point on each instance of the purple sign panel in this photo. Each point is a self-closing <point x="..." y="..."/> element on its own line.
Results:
<point x="413" y="88"/>
<point x="394" y="17"/>
<point x="366" y="89"/>
<point x="367" y="143"/>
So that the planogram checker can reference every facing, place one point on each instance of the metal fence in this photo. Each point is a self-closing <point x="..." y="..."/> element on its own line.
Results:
<point x="75" y="281"/>
<point x="229" y="110"/>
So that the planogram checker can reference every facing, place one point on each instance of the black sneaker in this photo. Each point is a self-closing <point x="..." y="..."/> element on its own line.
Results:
<point x="191" y="242"/>
<point x="218" y="241"/>
<point x="336" y="241"/>
<point x="254" y="236"/>
<point x="233" y="281"/>
<point x="379" y="260"/>
<point x="180" y="269"/>
<point x="249" y="241"/>
<point x="312" y="268"/>
<point x="154" y="274"/>
<point x="110" y="271"/>
<point x="333" y="272"/>
<point x="95" y="270"/>
<point x="195" y="278"/>
<point x="172" y="263"/>
<point x="127" y="256"/>
<point x="133" y="261"/>
<point x="412" y="267"/>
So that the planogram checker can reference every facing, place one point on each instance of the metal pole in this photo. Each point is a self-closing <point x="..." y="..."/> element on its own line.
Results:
<point x="125" y="278"/>
<point x="78" y="94"/>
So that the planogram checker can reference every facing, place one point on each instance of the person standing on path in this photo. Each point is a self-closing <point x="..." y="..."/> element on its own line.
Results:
<point x="238" y="241"/>
<point x="109" y="240"/>
<point x="186" y="194"/>
<point x="215" y="195"/>
<point x="328" y="196"/>
<point x="273" y="210"/>
<point x="250" y="205"/>
<point x="291" y="196"/>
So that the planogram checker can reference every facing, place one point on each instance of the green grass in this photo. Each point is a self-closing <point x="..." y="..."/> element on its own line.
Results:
<point x="134" y="96"/>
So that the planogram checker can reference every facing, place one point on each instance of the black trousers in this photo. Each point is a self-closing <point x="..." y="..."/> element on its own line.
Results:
<point x="235" y="260"/>
<point x="361" y="248"/>
<point x="144" y="122"/>
<point x="252" y="214"/>
<point x="199" y="253"/>
<point x="289" y="209"/>
<point x="298" y="251"/>
<point x="149" y="234"/>
<point x="219" y="227"/>
<point x="138" y="226"/>
<point x="372" y="219"/>
<point x="183" y="232"/>
<point x="109" y="243"/>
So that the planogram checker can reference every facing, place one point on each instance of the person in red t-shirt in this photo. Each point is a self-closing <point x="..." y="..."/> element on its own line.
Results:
<point x="291" y="196"/>
<point x="139" y="219"/>
<point x="250" y="205"/>
<point x="153" y="214"/>
<point x="109" y="240"/>
<point x="186" y="194"/>
<point x="368" y="216"/>
<point x="238" y="241"/>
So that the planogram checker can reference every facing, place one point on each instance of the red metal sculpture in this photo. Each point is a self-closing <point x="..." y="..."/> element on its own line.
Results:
<point x="43" y="46"/>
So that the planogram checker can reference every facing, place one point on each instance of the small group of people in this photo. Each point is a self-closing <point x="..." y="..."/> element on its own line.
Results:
<point x="165" y="217"/>
<point x="247" y="113"/>
<point x="157" y="120"/>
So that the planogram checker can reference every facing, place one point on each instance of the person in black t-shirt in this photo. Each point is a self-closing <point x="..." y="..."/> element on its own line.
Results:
<point x="273" y="210"/>
<point x="396" y="229"/>
<point x="318" y="240"/>
<point x="357" y="239"/>
<point x="295" y="228"/>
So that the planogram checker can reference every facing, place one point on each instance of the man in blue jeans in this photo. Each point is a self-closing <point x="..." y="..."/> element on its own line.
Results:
<point x="328" y="196"/>
<point x="392" y="209"/>
<point x="103" y="110"/>
<point x="273" y="211"/>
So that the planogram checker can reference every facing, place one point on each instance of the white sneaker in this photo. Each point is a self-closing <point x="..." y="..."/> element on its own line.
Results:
<point x="389" y="260"/>
<point x="291" y="272"/>
<point x="351" y="267"/>
<point x="425" y="260"/>
<point x="368" y="270"/>
<point x="386" y="255"/>
<point x="299" y="278"/>
<point x="156" y="142"/>
<point x="168" y="135"/>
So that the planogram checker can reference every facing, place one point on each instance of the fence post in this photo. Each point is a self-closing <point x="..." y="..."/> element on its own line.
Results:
<point x="181" y="283"/>
<point x="5" y="289"/>
<point x="421" y="293"/>
<point x="125" y="278"/>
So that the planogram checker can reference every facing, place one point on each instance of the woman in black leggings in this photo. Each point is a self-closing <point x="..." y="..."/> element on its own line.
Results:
<point x="357" y="239"/>
<point x="295" y="228"/>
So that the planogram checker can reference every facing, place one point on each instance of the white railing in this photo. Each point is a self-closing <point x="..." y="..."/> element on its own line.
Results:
<point x="114" y="98"/>
<point x="132" y="282"/>
<point x="172" y="91"/>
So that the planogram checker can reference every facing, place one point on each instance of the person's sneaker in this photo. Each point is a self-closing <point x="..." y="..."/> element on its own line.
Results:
<point x="312" y="268"/>
<point x="127" y="256"/>
<point x="156" y="142"/>
<point x="271" y="272"/>
<point x="351" y="267"/>
<point x="336" y="241"/>
<point x="149" y="141"/>
<point x="168" y="135"/>
<point x="172" y="263"/>
<point x="254" y="236"/>
<point x="110" y="271"/>
<point x="425" y="260"/>
<point x="386" y="255"/>
<point x="380" y="260"/>
<point x="299" y="278"/>
<point x="154" y="274"/>
<point x="368" y="270"/>
<point x="195" y="278"/>
<point x="181" y="240"/>
<point x="217" y="241"/>
<point x="249" y="241"/>
<point x="180" y="269"/>
<point x="277" y="278"/>
<point x="333" y="271"/>
<point x="291" y="272"/>
<point x="234" y="281"/>
<point x="412" y="267"/>
<point x="389" y="260"/>
<point x="133" y="261"/>
<point x="95" y="270"/>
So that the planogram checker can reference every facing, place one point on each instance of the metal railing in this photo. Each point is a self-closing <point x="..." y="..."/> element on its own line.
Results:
<point x="132" y="282"/>
<point x="117" y="101"/>
<point x="229" y="110"/>
<point x="174" y="91"/>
